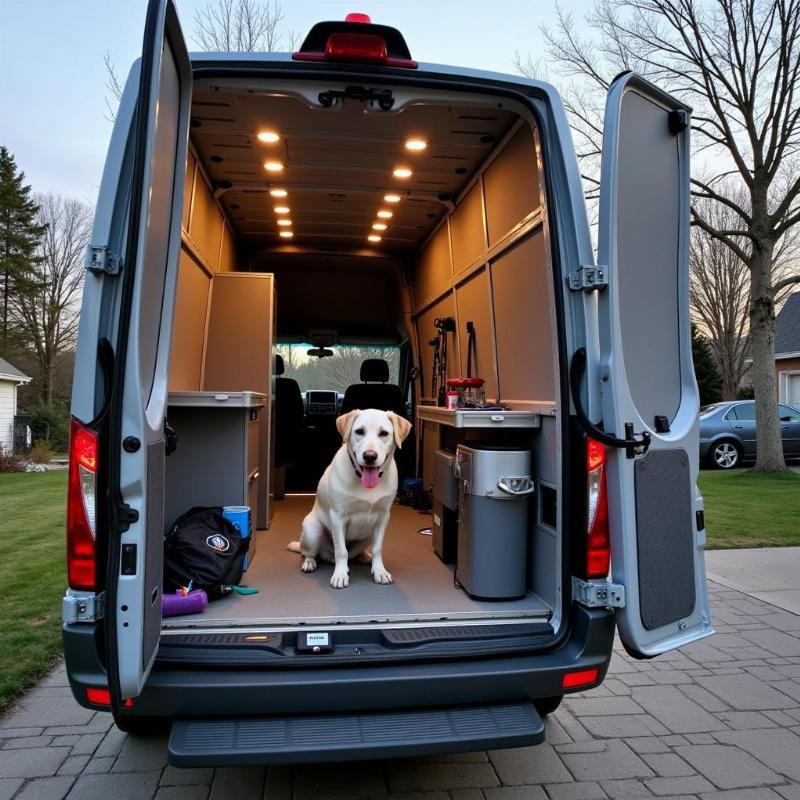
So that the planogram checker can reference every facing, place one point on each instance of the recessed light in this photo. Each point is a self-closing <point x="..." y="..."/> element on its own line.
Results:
<point x="273" y="166"/>
<point x="286" y="234"/>
<point x="373" y="238"/>
<point x="268" y="137"/>
<point x="402" y="172"/>
<point x="385" y="214"/>
<point x="392" y="198"/>
<point x="282" y="209"/>
<point x="416" y="145"/>
<point x="278" y="192"/>
<point x="379" y="226"/>
<point x="284" y="222"/>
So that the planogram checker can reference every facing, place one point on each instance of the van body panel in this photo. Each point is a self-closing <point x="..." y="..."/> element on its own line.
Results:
<point x="646" y="374"/>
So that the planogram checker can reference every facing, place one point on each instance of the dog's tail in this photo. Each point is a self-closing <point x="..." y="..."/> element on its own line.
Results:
<point x="293" y="546"/>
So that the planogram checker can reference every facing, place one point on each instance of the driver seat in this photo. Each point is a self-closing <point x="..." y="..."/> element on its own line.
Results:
<point x="375" y="391"/>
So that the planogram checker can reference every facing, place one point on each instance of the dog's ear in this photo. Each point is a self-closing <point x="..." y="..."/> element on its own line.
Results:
<point x="402" y="427"/>
<point x="344" y="424"/>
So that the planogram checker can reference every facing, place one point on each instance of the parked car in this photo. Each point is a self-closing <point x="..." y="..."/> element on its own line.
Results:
<point x="728" y="433"/>
<point x="439" y="210"/>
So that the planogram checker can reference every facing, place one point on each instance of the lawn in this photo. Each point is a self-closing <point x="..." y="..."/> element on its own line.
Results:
<point x="746" y="509"/>
<point x="32" y="577"/>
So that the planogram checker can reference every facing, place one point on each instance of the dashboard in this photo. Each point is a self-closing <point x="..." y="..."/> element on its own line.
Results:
<point x="320" y="402"/>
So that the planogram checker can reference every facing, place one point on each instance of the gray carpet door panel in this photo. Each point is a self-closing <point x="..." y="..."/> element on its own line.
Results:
<point x="665" y="537"/>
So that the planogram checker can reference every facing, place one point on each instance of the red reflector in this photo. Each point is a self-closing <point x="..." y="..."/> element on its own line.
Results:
<point x="595" y="454"/>
<point x="81" y="507"/>
<point x="102" y="697"/>
<point x="581" y="678"/>
<point x="356" y="47"/>
<point x="357" y="16"/>
<point x="598" y="545"/>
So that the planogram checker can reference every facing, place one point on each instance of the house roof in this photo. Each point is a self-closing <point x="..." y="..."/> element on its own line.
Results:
<point x="12" y="373"/>
<point x="787" y="327"/>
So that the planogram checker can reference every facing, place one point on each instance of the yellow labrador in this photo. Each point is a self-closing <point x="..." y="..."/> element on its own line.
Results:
<point x="354" y="496"/>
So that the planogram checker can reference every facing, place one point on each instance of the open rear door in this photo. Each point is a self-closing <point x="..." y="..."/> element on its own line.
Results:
<point x="139" y="393"/>
<point x="647" y="384"/>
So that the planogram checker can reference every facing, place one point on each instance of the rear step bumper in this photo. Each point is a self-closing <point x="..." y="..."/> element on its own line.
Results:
<point x="341" y="737"/>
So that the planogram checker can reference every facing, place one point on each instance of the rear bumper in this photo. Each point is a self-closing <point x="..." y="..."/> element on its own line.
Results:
<point x="252" y="692"/>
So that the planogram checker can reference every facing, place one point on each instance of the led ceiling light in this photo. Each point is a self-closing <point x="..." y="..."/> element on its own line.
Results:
<point x="286" y="234"/>
<point x="269" y="137"/>
<point x="284" y="222"/>
<point x="385" y="214"/>
<point x="416" y="145"/>
<point x="402" y="172"/>
<point x="273" y="166"/>
<point x="379" y="226"/>
<point x="278" y="192"/>
<point x="373" y="238"/>
<point x="392" y="198"/>
<point x="282" y="209"/>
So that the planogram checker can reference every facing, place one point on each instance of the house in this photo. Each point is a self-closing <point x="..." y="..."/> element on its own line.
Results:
<point x="787" y="351"/>
<point x="10" y="379"/>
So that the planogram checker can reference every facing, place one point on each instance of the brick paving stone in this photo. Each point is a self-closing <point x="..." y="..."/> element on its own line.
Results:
<point x="572" y="726"/>
<point x="671" y="677"/>
<point x="788" y="687"/>
<point x="141" y="754"/>
<point x="100" y="723"/>
<point x="111" y="744"/>
<point x="174" y="776"/>
<point x="439" y="795"/>
<point x="648" y="744"/>
<point x="86" y="745"/>
<point x="728" y="767"/>
<point x="673" y="708"/>
<point x="528" y="765"/>
<point x="511" y="793"/>
<point x="746" y="720"/>
<point x="742" y="794"/>
<point x="56" y="711"/>
<point x="189" y="792"/>
<point x="781" y="644"/>
<point x="744" y="692"/>
<point x="38" y="762"/>
<point x="618" y="761"/>
<point x="8" y="787"/>
<point x="98" y="766"/>
<point x="679" y="786"/>
<point x="700" y="738"/>
<point x="668" y="765"/>
<point x="778" y="748"/>
<point x="25" y="742"/>
<point x="624" y="790"/>
<point x="237" y="783"/>
<point x="340" y="781"/>
<point x="624" y="726"/>
<point x="412" y="776"/>
<point x="139" y="786"/>
<point x="74" y="765"/>
<point x="554" y="731"/>
<point x="602" y="706"/>
<point x="13" y="732"/>
<point x="580" y="790"/>
<point x="68" y="740"/>
<point x="789" y="792"/>
<point x="462" y="794"/>
<point x="780" y="717"/>
<point x="46" y="789"/>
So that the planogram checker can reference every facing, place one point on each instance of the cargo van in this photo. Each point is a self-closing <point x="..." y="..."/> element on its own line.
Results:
<point x="345" y="200"/>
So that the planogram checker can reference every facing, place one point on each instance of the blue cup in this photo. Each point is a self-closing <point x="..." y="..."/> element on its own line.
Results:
<point x="239" y="516"/>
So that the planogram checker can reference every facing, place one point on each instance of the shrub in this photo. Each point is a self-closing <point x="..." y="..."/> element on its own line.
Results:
<point x="50" y="424"/>
<point x="41" y="453"/>
<point x="9" y="462"/>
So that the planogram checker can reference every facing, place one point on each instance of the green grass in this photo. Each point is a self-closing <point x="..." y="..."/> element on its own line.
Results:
<point x="747" y="509"/>
<point x="32" y="577"/>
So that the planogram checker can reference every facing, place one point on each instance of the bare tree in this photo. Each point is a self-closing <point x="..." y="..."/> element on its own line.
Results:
<point x="113" y="86"/>
<point x="738" y="63"/>
<point x="46" y="309"/>
<point x="239" y="25"/>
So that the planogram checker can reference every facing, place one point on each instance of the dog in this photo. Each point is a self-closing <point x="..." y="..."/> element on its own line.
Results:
<point x="354" y="497"/>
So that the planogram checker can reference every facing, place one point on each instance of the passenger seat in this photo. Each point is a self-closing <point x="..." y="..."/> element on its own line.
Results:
<point x="289" y="412"/>
<point x="375" y="391"/>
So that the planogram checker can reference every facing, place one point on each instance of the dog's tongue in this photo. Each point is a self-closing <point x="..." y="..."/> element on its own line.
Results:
<point x="369" y="477"/>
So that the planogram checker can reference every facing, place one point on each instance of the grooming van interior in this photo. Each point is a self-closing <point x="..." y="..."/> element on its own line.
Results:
<point x="346" y="249"/>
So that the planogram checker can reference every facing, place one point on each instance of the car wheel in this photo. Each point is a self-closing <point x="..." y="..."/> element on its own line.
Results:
<point x="725" y="455"/>
<point x="547" y="705"/>
<point x="142" y="726"/>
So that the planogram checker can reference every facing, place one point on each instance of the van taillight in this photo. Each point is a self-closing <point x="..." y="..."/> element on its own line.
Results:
<point x="598" y="545"/>
<point x="82" y="507"/>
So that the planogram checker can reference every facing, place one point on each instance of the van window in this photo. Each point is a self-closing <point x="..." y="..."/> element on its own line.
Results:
<point x="337" y="371"/>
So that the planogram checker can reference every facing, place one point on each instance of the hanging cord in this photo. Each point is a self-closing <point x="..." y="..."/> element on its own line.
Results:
<point x="434" y="343"/>
<point x="471" y="347"/>
<point x="444" y="325"/>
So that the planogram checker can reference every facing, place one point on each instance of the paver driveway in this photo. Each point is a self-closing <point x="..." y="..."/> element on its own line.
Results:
<point x="718" y="719"/>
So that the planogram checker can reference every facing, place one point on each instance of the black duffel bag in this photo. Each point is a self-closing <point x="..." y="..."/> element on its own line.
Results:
<point x="204" y="549"/>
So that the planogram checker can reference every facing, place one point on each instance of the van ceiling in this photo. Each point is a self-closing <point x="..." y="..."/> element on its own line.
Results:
<point x="338" y="164"/>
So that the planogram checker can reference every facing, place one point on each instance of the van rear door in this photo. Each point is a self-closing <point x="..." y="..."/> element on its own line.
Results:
<point x="647" y="384"/>
<point x="139" y="390"/>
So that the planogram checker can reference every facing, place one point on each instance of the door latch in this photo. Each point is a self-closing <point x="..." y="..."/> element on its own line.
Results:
<point x="99" y="258"/>
<point x="83" y="608"/>
<point x="598" y="594"/>
<point x="588" y="278"/>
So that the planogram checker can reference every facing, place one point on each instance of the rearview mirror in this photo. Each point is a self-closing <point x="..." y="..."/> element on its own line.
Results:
<point x="319" y="352"/>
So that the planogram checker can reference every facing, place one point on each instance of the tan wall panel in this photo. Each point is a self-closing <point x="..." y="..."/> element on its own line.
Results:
<point x="511" y="185"/>
<point x="466" y="230"/>
<point x="227" y="258"/>
<point x="522" y="322"/>
<point x="188" y="329"/>
<point x="432" y="272"/>
<point x="187" y="191"/>
<point x="430" y="443"/>
<point x="472" y="300"/>
<point x="426" y="331"/>
<point x="205" y="226"/>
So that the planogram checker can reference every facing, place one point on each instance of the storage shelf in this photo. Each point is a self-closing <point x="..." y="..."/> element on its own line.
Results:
<point x="479" y="418"/>
<point x="217" y="399"/>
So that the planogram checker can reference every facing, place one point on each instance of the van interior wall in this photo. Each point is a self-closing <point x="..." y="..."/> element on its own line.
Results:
<point x="487" y="264"/>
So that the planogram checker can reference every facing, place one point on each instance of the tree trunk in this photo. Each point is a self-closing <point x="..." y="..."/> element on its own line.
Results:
<point x="762" y="333"/>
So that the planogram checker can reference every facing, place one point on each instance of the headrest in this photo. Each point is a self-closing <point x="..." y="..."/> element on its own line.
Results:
<point x="279" y="367"/>
<point x="374" y="369"/>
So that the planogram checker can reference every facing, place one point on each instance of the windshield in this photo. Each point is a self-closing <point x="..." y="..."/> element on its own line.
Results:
<point x="337" y="371"/>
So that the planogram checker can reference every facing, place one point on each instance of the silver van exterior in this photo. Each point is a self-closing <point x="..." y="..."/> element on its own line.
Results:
<point x="628" y="383"/>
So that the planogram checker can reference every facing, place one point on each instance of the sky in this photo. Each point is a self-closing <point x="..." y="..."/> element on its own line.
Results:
<point x="52" y="78"/>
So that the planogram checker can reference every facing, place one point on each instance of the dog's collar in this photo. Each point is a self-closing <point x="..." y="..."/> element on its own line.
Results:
<point x="355" y="465"/>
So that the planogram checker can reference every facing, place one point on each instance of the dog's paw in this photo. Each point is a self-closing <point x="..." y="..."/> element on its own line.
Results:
<point x="309" y="564"/>
<point x="382" y="576"/>
<point x="340" y="580"/>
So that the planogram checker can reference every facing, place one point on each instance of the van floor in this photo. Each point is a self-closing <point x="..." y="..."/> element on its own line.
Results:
<point x="423" y="587"/>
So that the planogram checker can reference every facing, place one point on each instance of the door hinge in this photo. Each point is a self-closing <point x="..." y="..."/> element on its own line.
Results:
<point x="83" y="608"/>
<point x="588" y="278"/>
<point x="100" y="259"/>
<point x="598" y="594"/>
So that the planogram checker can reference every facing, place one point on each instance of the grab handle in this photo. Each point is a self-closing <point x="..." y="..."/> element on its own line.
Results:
<point x="516" y="487"/>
